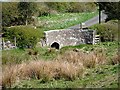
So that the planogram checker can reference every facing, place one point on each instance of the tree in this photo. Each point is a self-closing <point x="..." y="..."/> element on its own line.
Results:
<point x="27" y="10"/>
<point x="111" y="9"/>
<point x="9" y="13"/>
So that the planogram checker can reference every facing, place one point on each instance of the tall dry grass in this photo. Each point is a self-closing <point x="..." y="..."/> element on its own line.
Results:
<point x="87" y="59"/>
<point x="115" y="59"/>
<point x="44" y="70"/>
<point x="9" y="75"/>
<point x="69" y="66"/>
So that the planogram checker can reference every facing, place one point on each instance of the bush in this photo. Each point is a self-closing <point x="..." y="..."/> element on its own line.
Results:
<point x="43" y="10"/>
<point x="82" y="7"/>
<point x="26" y="36"/>
<point x="72" y="6"/>
<point x="108" y="31"/>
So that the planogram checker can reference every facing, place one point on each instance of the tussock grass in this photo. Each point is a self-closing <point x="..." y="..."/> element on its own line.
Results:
<point x="44" y="70"/>
<point x="87" y="59"/>
<point x="115" y="59"/>
<point x="9" y="75"/>
<point x="69" y="66"/>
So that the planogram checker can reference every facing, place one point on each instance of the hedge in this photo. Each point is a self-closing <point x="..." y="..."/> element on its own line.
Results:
<point x="108" y="31"/>
<point x="26" y="36"/>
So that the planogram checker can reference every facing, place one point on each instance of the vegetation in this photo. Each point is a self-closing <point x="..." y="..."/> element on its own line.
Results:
<point x="99" y="77"/>
<point x="26" y="36"/>
<point x="111" y="9"/>
<point x="72" y="6"/>
<point x="27" y="10"/>
<point x="9" y="14"/>
<point x="75" y="66"/>
<point x="63" y="20"/>
<point x="72" y="66"/>
<point x="13" y="13"/>
<point x="108" y="31"/>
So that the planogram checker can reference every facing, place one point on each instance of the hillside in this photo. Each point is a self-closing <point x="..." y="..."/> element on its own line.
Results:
<point x="100" y="77"/>
<point x="94" y="75"/>
<point x="63" y="20"/>
<point x="31" y="65"/>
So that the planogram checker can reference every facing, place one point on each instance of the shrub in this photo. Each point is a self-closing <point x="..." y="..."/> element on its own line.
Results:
<point x="72" y="6"/>
<point x="43" y="10"/>
<point x="108" y="31"/>
<point x="26" y="36"/>
<point x="81" y="7"/>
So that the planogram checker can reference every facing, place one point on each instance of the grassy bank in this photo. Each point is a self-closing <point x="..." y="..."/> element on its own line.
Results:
<point x="18" y="55"/>
<point x="63" y="20"/>
<point x="73" y="66"/>
<point x="99" y="77"/>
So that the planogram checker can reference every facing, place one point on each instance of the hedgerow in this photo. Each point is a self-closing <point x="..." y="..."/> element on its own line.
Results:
<point x="26" y="36"/>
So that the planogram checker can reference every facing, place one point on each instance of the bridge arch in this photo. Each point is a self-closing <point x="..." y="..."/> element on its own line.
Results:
<point x="55" y="45"/>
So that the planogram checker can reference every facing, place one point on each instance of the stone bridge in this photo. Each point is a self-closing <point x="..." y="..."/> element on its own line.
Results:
<point x="68" y="37"/>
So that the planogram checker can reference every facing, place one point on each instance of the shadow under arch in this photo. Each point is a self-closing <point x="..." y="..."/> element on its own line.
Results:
<point x="55" y="45"/>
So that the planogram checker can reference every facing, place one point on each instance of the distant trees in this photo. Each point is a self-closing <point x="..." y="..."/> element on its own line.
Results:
<point x="17" y="13"/>
<point x="112" y="9"/>
<point x="82" y="7"/>
<point x="21" y="13"/>
<point x="27" y="10"/>
<point x="10" y="14"/>
<point x="72" y="6"/>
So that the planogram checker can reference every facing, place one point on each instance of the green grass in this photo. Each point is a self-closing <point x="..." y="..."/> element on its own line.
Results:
<point x="19" y="55"/>
<point x="13" y="56"/>
<point x="44" y="54"/>
<point x="63" y="20"/>
<point x="99" y="77"/>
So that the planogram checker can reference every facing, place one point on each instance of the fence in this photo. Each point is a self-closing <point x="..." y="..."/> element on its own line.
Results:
<point x="7" y="45"/>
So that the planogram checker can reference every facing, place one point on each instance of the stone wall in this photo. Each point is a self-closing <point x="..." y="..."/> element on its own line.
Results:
<point x="67" y="37"/>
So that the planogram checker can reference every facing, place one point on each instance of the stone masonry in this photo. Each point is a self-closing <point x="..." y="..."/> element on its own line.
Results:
<point x="68" y="37"/>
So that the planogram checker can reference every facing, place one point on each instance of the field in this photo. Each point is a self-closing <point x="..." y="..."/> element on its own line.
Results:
<point x="82" y="66"/>
<point x="55" y="21"/>
<point x="99" y="77"/>
<point x="31" y="65"/>
<point x="92" y="74"/>
<point x="61" y="21"/>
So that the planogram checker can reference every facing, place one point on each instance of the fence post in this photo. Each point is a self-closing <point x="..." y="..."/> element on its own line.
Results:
<point x="94" y="33"/>
<point x="15" y="41"/>
<point x="80" y="25"/>
<point x="3" y="44"/>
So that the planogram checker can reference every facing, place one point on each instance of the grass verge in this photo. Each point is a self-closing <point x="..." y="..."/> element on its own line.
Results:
<point x="61" y="21"/>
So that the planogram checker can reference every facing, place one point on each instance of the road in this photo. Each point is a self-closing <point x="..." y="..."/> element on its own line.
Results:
<point x="90" y="22"/>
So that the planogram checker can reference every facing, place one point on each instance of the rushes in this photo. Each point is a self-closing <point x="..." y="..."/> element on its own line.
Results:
<point x="69" y="66"/>
<point x="87" y="59"/>
<point x="9" y="75"/>
<point x="44" y="70"/>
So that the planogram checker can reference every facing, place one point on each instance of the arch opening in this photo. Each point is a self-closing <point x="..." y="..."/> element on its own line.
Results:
<point x="55" y="45"/>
